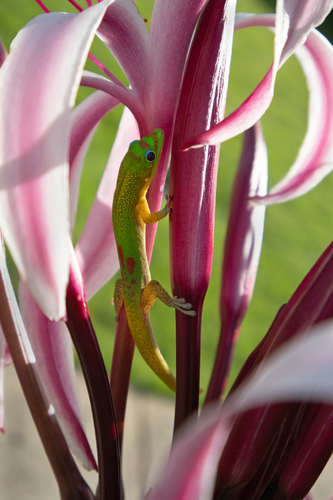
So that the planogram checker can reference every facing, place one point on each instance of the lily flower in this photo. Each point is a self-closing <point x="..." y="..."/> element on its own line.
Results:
<point x="178" y="77"/>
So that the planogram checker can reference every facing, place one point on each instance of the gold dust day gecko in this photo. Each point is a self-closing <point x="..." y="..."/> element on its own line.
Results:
<point x="130" y="214"/>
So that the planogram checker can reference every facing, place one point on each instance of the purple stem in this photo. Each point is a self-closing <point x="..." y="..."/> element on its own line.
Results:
<point x="224" y="354"/>
<point x="193" y="177"/>
<point x="86" y="345"/>
<point x="188" y="342"/>
<point x="121" y="371"/>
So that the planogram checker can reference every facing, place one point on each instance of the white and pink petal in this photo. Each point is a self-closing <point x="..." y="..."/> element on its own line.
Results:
<point x="53" y="349"/>
<point x="301" y="367"/>
<point x="315" y="157"/>
<point x="124" y="95"/>
<point x="170" y="34"/>
<point x="294" y="21"/>
<point x="85" y="119"/>
<point x="124" y="32"/>
<point x="38" y="84"/>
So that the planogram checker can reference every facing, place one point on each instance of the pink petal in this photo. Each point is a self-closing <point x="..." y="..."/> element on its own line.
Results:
<point x="171" y="31"/>
<point x="245" y="227"/>
<point x="96" y="251"/>
<point x="38" y="83"/>
<point x="294" y="21"/>
<point x="297" y="19"/>
<point x="241" y="253"/>
<point x="53" y="348"/>
<point x="85" y="118"/>
<point x="124" y="32"/>
<point x="314" y="160"/>
<point x="170" y="34"/>
<point x="301" y="369"/>
<point x="190" y="471"/>
<point x="126" y="96"/>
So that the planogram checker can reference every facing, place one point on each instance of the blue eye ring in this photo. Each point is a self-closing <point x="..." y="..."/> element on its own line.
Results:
<point x="150" y="155"/>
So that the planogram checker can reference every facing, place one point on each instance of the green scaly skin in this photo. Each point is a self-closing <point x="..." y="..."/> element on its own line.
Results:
<point x="130" y="214"/>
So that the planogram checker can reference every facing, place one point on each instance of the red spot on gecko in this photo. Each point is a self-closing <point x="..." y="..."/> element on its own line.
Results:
<point x="133" y="281"/>
<point x="130" y="263"/>
<point x="121" y="256"/>
<point x="143" y="144"/>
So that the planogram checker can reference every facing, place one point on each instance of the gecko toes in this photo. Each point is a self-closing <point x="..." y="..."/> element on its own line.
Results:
<point x="183" y="306"/>
<point x="179" y="301"/>
<point x="190" y="313"/>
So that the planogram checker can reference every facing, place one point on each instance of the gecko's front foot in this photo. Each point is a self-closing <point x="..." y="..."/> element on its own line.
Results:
<point x="183" y="306"/>
<point x="167" y="209"/>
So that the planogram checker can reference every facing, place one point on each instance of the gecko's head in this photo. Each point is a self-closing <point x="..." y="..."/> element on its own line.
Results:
<point x="145" y="154"/>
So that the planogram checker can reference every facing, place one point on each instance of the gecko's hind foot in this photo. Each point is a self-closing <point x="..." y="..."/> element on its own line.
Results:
<point x="183" y="306"/>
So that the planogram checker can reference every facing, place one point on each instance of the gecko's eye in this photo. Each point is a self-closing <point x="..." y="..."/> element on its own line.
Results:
<point x="150" y="155"/>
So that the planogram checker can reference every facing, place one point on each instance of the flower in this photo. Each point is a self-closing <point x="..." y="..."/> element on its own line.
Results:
<point x="178" y="78"/>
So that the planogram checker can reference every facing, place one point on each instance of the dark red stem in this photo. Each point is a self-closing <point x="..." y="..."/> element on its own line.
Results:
<point x="121" y="371"/>
<point x="86" y="345"/>
<point x="188" y="343"/>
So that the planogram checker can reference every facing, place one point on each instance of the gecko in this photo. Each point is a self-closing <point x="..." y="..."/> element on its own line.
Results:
<point x="130" y="214"/>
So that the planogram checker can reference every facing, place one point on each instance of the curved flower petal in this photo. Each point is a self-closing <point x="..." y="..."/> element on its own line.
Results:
<point x="294" y="21"/>
<point x="241" y="253"/>
<point x="190" y="471"/>
<point x="85" y="118"/>
<point x="246" y="226"/>
<point x="301" y="369"/>
<point x="255" y="431"/>
<point x="171" y="29"/>
<point x="93" y="80"/>
<point x="96" y="250"/>
<point x="309" y="304"/>
<point x="170" y="34"/>
<point x="53" y="349"/>
<point x="124" y="32"/>
<point x="297" y="19"/>
<point x="315" y="158"/>
<point x="38" y="84"/>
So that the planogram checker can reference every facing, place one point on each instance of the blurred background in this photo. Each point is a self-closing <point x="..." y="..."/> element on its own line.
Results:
<point x="296" y="233"/>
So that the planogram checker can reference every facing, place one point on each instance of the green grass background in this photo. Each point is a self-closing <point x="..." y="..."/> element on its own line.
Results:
<point x="296" y="233"/>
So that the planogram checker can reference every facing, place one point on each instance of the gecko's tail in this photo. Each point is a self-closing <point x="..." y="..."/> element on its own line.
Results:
<point x="158" y="364"/>
<point x="145" y="341"/>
